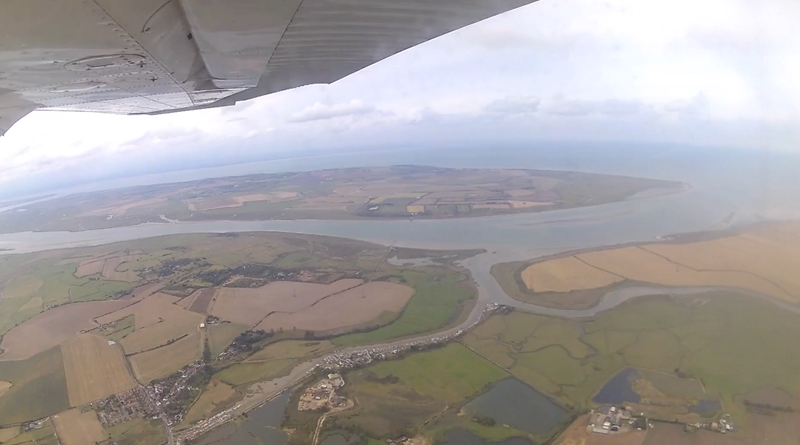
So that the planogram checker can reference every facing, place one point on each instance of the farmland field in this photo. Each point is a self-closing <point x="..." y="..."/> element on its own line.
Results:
<point x="166" y="360"/>
<point x="722" y="343"/>
<point x="221" y="335"/>
<point x="138" y="431"/>
<point x="6" y="434"/>
<point x="250" y="306"/>
<point x="94" y="369"/>
<point x="53" y="327"/>
<point x="437" y="301"/>
<point x="351" y="307"/>
<point x="46" y="435"/>
<point x="157" y="322"/>
<point x="247" y="372"/>
<point x="39" y="387"/>
<point x="291" y="349"/>
<point x="213" y="397"/>
<point x="565" y="275"/>
<point x="76" y="428"/>
<point x="452" y="373"/>
<point x="761" y="259"/>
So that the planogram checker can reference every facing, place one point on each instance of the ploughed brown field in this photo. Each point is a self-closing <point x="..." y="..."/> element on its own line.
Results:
<point x="53" y="327"/>
<point x="94" y="369"/>
<point x="764" y="260"/>
<point x="250" y="306"/>
<point x="352" y="307"/>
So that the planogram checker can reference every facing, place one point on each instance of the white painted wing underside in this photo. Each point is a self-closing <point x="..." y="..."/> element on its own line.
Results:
<point x="157" y="56"/>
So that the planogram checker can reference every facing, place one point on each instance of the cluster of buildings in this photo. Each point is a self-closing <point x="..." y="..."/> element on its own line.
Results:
<point x="125" y="406"/>
<point x="360" y="357"/>
<point x="611" y="419"/>
<point x="168" y="392"/>
<point x="322" y="395"/>
<point x="723" y="425"/>
<point x="34" y="425"/>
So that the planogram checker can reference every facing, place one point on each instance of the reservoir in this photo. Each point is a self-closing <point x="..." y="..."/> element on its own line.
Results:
<point x="619" y="389"/>
<point x="516" y="404"/>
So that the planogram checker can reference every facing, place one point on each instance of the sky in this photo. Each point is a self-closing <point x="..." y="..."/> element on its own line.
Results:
<point x="718" y="73"/>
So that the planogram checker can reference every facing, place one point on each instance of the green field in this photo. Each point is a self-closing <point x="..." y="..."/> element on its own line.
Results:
<point x="46" y="435"/>
<point x="39" y="387"/>
<point x="138" y="431"/>
<point x="119" y="329"/>
<point x="453" y="373"/>
<point x="724" y="343"/>
<point x="291" y="349"/>
<point x="221" y="335"/>
<point x="436" y="301"/>
<point x="243" y="373"/>
<point x="395" y="397"/>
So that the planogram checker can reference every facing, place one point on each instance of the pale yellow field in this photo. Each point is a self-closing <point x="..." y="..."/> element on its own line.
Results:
<point x="565" y="275"/>
<point x="415" y="209"/>
<point x="186" y="302"/>
<point x="763" y="260"/>
<point x="21" y="286"/>
<point x="249" y="306"/>
<point x="4" y="386"/>
<point x="9" y="433"/>
<point x="33" y="303"/>
<point x="94" y="369"/>
<point x="157" y="320"/>
<point x="215" y="393"/>
<point x="76" y="428"/>
<point x="224" y="202"/>
<point x="352" y="307"/>
<point x="166" y="360"/>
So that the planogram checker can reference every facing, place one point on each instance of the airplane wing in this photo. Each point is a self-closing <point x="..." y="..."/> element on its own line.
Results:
<point x="163" y="56"/>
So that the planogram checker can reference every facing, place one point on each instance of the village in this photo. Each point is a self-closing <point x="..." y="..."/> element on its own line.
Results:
<point x="364" y="356"/>
<point x="159" y="399"/>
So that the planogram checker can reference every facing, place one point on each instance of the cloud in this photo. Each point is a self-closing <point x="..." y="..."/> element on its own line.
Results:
<point x="694" y="106"/>
<point x="320" y="111"/>
<point x="513" y="105"/>
<point x="607" y="107"/>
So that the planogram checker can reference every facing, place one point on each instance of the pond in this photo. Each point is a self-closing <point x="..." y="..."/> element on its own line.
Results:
<point x="461" y="437"/>
<point x="262" y="427"/>
<point x="619" y="389"/>
<point x="706" y="406"/>
<point x="516" y="404"/>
